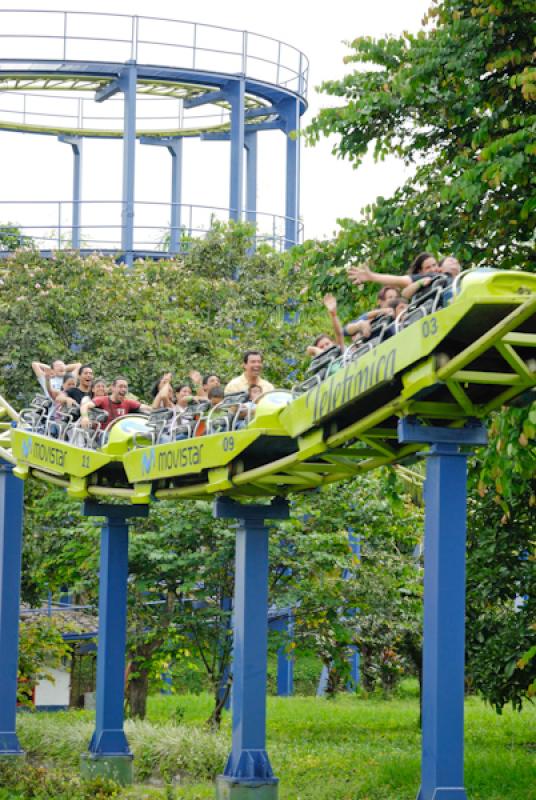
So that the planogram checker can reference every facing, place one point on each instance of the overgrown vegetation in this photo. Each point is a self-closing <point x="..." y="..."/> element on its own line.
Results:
<point x="320" y="750"/>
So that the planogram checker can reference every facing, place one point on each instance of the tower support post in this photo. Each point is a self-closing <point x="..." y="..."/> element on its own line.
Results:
<point x="235" y="92"/>
<point x="248" y="774"/>
<point x="290" y="114"/>
<point x="109" y="753"/>
<point x="76" y="146"/>
<point x="175" y="150"/>
<point x="444" y="605"/>
<point x="11" y="519"/>
<point x="128" y="85"/>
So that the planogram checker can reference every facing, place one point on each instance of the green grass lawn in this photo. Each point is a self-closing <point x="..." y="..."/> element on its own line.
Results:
<point x="351" y="748"/>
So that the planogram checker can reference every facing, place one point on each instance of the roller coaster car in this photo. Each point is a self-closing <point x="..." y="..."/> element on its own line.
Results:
<point x="321" y="363"/>
<point x="176" y="468"/>
<point x="381" y="328"/>
<point x="429" y="299"/>
<point x="37" y="413"/>
<point x="76" y="458"/>
<point x="460" y="351"/>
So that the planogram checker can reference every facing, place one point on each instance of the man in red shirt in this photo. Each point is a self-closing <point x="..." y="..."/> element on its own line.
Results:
<point x="116" y="404"/>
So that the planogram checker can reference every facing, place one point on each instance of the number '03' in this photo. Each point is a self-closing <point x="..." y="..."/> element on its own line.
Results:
<point x="429" y="327"/>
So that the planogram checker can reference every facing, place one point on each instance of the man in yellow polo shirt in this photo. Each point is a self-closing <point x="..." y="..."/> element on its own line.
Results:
<point x="251" y="375"/>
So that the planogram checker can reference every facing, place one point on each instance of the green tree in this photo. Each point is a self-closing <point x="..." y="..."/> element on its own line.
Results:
<point x="41" y="649"/>
<point x="456" y="102"/>
<point x="328" y="582"/>
<point x="178" y="314"/>
<point x="188" y="312"/>
<point x="501" y="579"/>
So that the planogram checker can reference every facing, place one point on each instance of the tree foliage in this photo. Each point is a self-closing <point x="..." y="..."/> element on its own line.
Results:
<point x="41" y="649"/>
<point x="456" y="102"/>
<point x="159" y="315"/>
<point x="501" y="588"/>
<point x="371" y="600"/>
<point x="199" y="311"/>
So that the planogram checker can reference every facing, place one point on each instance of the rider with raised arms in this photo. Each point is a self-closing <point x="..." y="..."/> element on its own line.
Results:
<point x="116" y="404"/>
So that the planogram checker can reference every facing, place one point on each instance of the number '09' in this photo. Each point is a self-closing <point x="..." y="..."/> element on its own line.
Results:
<point x="228" y="443"/>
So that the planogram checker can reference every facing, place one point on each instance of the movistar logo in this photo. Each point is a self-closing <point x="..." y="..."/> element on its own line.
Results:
<point x="27" y="446"/>
<point x="148" y="461"/>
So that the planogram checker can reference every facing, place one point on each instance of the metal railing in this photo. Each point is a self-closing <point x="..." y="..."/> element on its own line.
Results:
<point x="50" y="225"/>
<point x="64" y="111"/>
<point x="30" y="35"/>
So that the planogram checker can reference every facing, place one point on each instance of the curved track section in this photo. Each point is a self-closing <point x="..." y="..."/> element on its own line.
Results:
<point x="51" y="60"/>
<point x="450" y="366"/>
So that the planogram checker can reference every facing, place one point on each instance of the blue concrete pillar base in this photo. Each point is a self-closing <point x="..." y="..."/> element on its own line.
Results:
<point x="10" y="747"/>
<point x="228" y="788"/>
<point x="118" y="768"/>
<point x="445" y="793"/>
<point x="250" y="765"/>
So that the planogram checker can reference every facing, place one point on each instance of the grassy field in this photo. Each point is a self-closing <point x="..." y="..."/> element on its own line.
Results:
<point x="348" y="749"/>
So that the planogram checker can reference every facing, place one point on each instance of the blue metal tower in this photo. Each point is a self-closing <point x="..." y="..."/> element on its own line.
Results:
<point x="195" y="81"/>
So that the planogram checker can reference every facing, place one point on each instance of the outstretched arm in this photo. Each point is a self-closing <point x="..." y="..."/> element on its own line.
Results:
<point x="414" y="287"/>
<point x="361" y="326"/>
<point x="362" y="274"/>
<point x="331" y="305"/>
<point x="84" y="413"/>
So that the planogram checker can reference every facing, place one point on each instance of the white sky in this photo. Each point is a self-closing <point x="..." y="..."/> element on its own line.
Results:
<point x="37" y="167"/>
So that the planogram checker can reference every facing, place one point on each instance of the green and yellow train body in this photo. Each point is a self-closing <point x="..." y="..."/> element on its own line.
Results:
<point x="458" y="363"/>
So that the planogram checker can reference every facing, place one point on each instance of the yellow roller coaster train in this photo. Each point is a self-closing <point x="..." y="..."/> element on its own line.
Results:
<point x="455" y="355"/>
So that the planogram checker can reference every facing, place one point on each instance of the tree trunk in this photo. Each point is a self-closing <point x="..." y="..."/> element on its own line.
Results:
<point x="75" y="700"/>
<point x="214" y="721"/>
<point x="368" y="675"/>
<point x="137" y="691"/>
<point x="334" y="681"/>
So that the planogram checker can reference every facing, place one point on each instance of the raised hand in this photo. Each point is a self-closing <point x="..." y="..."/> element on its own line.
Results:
<point x="330" y="301"/>
<point x="195" y="377"/>
<point x="360" y="274"/>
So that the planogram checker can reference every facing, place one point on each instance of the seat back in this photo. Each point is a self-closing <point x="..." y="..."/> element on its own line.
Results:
<point x="428" y="299"/>
<point x="321" y="363"/>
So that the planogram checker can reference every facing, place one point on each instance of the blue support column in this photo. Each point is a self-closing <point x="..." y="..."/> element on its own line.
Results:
<point x="281" y="619"/>
<point x="248" y="773"/>
<point x="235" y="94"/>
<point x="290" y="114"/>
<point x="175" y="150"/>
<point x="76" y="145"/>
<point x="128" y="85"/>
<point x="109" y="753"/>
<point x="444" y="606"/>
<point x="251" y="177"/>
<point x="11" y="514"/>
<point x="285" y="663"/>
<point x="224" y="691"/>
<point x="353" y="659"/>
<point x="355" y="546"/>
<point x="174" y="147"/>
